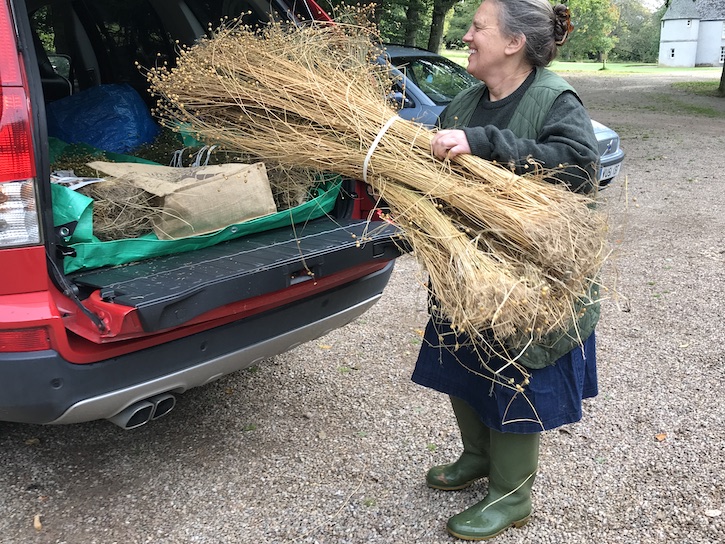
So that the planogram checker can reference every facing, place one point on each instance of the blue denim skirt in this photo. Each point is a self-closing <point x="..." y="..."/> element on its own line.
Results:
<point x="551" y="398"/>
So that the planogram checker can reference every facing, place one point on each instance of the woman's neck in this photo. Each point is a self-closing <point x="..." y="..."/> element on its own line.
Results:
<point x="502" y="88"/>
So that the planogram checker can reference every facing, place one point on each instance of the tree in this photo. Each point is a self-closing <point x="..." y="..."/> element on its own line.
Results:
<point x="412" y="21"/>
<point x="460" y="22"/>
<point x="637" y="31"/>
<point x="593" y="36"/>
<point x="398" y="21"/>
<point x="440" y="10"/>
<point x="594" y="22"/>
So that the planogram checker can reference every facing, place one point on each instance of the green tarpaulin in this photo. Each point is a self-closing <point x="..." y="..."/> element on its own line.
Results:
<point x="71" y="207"/>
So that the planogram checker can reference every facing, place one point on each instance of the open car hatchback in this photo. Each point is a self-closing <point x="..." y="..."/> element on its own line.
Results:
<point x="115" y="328"/>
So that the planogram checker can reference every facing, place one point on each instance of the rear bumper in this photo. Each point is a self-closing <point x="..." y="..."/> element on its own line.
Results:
<point x="42" y="387"/>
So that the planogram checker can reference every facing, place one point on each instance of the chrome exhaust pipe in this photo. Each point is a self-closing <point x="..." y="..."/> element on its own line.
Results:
<point x="163" y="404"/>
<point x="144" y="411"/>
<point x="134" y="416"/>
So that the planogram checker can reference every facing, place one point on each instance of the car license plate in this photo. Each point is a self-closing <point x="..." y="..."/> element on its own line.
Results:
<point x="610" y="171"/>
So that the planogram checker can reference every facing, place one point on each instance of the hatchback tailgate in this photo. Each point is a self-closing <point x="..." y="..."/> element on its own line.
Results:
<point x="167" y="292"/>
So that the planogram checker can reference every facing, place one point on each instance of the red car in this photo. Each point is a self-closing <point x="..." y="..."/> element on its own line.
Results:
<point x="83" y="339"/>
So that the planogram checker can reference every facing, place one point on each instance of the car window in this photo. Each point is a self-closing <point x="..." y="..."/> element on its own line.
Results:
<point x="103" y="41"/>
<point x="131" y="32"/>
<point x="439" y="78"/>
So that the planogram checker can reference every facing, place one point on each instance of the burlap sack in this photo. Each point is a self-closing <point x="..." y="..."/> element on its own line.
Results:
<point x="198" y="200"/>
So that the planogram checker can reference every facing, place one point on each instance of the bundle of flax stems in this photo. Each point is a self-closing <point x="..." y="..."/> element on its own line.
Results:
<point x="506" y="255"/>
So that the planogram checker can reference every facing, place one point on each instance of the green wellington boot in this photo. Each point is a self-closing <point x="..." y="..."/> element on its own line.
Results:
<point x="514" y="460"/>
<point x="473" y="462"/>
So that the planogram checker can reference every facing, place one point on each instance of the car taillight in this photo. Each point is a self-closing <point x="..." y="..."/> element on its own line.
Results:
<point x="34" y="339"/>
<point x="18" y="210"/>
<point x="18" y="214"/>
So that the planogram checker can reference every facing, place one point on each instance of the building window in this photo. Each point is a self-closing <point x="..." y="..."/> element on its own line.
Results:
<point x="689" y="22"/>
<point x="672" y="53"/>
<point x="722" y="53"/>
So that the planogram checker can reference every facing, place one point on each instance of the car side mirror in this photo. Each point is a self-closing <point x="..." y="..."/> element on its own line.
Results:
<point x="60" y="64"/>
<point x="400" y="101"/>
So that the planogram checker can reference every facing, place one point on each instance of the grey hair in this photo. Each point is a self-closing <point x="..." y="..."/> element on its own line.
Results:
<point x="540" y="22"/>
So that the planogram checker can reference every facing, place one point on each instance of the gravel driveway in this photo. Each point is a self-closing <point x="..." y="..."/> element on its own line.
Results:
<point x="330" y="443"/>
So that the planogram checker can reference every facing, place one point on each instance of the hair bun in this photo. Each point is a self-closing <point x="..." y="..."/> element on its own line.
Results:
<point x="562" y="24"/>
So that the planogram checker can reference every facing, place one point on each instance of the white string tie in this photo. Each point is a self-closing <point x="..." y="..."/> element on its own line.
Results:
<point x="375" y="143"/>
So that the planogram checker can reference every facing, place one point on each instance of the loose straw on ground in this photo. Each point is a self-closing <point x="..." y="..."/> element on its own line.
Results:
<point x="505" y="254"/>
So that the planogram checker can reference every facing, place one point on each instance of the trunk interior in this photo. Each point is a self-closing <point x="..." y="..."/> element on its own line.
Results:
<point x="82" y="45"/>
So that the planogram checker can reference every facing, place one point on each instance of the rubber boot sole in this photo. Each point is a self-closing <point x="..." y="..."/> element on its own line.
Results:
<point x="514" y="524"/>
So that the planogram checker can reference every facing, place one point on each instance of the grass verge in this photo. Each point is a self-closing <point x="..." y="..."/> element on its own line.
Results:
<point x="460" y="56"/>
<point x="703" y="88"/>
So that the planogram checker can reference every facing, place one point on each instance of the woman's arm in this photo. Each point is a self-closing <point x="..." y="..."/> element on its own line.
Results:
<point x="567" y="138"/>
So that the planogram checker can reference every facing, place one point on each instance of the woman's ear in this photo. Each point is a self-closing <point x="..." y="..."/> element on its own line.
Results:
<point x="515" y="44"/>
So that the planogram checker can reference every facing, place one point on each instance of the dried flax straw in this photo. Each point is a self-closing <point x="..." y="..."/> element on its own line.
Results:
<point x="505" y="253"/>
<point x="120" y="209"/>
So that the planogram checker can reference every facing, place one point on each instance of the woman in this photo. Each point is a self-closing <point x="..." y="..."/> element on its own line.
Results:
<point x="521" y="111"/>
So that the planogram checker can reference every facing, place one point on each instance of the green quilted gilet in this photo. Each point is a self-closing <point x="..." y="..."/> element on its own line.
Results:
<point x="530" y="114"/>
<point x="526" y="122"/>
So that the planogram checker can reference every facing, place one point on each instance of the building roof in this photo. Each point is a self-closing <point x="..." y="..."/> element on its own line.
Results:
<point x="706" y="10"/>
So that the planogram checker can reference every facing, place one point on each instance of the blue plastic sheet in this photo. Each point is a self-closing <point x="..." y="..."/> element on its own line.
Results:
<point x="109" y="117"/>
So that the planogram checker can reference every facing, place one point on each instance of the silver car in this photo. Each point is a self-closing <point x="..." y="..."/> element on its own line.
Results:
<point x="428" y="82"/>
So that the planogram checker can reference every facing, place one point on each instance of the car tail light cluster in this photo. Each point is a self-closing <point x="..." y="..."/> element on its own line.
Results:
<point x="33" y="339"/>
<point x="18" y="211"/>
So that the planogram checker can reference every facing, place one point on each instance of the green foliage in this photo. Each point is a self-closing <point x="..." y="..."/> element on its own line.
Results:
<point x="620" y="30"/>
<point x="405" y="21"/>
<point x="593" y="37"/>
<point x="399" y="21"/>
<point x="617" y="29"/>
<point x="44" y="28"/>
<point x="459" y="23"/>
<point x="637" y="32"/>
<point x="596" y="25"/>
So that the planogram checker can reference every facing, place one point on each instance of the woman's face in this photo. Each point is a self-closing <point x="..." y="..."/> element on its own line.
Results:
<point x="486" y="44"/>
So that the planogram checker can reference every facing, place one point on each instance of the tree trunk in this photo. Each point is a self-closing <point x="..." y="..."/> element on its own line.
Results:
<point x="721" y="88"/>
<point x="412" y="21"/>
<point x="440" y="10"/>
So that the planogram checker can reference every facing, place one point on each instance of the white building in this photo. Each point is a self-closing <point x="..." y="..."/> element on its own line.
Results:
<point x="693" y="33"/>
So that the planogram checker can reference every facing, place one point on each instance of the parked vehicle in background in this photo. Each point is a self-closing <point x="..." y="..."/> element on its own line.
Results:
<point x="428" y="82"/>
<point x="611" y="155"/>
<point x="80" y="342"/>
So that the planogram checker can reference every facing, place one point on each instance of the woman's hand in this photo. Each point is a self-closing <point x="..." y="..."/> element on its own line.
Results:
<point x="449" y="143"/>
